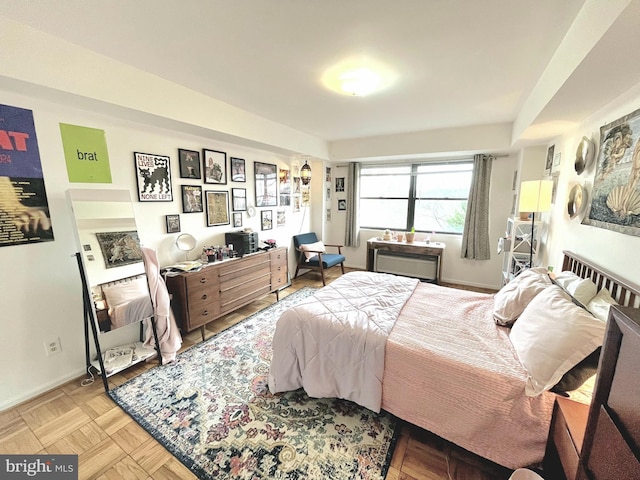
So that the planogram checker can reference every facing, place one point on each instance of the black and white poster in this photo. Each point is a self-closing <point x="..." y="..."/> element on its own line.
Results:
<point x="154" y="177"/>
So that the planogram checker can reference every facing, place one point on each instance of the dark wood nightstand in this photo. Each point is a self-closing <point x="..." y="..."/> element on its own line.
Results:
<point x="565" y="439"/>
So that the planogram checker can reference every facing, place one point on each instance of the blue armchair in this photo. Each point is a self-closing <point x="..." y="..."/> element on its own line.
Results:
<point x="318" y="258"/>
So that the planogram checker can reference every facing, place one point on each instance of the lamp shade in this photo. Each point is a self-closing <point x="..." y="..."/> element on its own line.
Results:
<point x="305" y="173"/>
<point x="535" y="196"/>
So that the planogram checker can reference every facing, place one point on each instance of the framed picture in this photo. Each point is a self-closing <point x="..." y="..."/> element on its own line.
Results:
<point x="266" y="219"/>
<point x="549" y="163"/>
<point x="342" y="204"/>
<point x="119" y="248"/>
<point x="215" y="166"/>
<point x="153" y="173"/>
<point x="282" y="218"/>
<point x="173" y="223"/>
<point x="266" y="182"/>
<point x="239" y="199"/>
<point x="217" y="208"/>
<point x="238" y="173"/>
<point x="189" y="163"/>
<point x="191" y="198"/>
<point x="237" y="219"/>
<point x="340" y="184"/>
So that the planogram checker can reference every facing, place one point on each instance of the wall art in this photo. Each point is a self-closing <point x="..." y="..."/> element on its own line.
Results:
<point x="153" y="173"/>
<point x="614" y="202"/>
<point x="266" y="219"/>
<point x="191" y="198"/>
<point x="189" y="163"/>
<point x="173" y="223"/>
<point x="237" y="219"/>
<point x="24" y="209"/>
<point x="239" y="199"/>
<point x="266" y="183"/>
<point x="217" y="208"/>
<point x="215" y="166"/>
<point x="238" y="172"/>
<point x="119" y="248"/>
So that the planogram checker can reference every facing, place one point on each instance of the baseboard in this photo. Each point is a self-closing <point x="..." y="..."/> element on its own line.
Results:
<point x="26" y="396"/>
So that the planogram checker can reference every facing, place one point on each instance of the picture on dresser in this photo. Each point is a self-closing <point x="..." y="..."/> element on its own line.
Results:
<point x="217" y="208"/>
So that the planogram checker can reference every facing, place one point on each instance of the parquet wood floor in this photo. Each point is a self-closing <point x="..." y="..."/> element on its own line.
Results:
<point x="111" y="446"/>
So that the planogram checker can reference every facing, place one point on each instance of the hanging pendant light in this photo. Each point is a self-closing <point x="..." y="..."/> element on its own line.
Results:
<point x="305" y="174"/>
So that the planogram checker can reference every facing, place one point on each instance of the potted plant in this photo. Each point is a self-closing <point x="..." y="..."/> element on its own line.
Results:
<point x="411" y="235"/>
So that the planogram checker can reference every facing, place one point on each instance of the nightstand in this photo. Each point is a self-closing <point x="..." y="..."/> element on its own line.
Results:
<point x="565" y="439"/>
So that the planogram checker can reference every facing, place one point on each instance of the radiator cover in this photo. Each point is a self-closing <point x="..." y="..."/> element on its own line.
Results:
<point x="407" y="264"/>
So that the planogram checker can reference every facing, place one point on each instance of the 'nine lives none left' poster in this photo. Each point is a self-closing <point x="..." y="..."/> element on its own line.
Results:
<point x="24" y="210"/>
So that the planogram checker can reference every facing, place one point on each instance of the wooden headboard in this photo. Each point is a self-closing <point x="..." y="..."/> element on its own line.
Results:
<point x="624" y="292"/>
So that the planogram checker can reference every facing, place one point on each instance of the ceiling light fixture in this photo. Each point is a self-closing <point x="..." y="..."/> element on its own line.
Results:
<point x="358" y="77"/>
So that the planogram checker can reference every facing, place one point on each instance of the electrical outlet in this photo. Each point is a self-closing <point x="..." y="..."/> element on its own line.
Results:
<point x="52" y="347"/>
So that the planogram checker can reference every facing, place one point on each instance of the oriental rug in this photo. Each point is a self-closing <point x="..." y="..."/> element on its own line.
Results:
<point x="212" y="409"/>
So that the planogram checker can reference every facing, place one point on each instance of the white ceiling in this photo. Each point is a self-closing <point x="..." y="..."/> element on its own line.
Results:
<point x="460" y="62"/>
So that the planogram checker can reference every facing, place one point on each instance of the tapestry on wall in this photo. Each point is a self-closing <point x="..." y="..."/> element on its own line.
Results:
<point x="24" y="209"/>
<point x="615" y="199"/>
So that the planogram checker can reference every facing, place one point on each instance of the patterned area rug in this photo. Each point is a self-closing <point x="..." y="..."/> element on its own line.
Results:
<point x="213" y="410"/>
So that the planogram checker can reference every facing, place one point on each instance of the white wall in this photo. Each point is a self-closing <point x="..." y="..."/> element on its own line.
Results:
<point x="41" y="298"/>
<point x="615" y="251"/>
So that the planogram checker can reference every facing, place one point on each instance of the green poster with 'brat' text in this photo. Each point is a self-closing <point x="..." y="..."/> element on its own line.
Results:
<point x="86" y="155"/>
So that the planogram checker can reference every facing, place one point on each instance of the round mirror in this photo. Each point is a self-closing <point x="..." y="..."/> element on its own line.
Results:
<point x="576" y="201"/>
<point x="584" y="155"/>
<point x="186" y="242"/>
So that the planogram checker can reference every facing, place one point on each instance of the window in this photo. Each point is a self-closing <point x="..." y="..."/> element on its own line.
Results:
<point x="428" y="197"/>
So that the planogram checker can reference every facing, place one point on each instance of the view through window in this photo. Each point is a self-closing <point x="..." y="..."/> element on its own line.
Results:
<point x="430" y="197"/>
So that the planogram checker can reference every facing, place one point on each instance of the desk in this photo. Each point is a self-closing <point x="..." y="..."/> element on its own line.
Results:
<point x="434" y="249"/>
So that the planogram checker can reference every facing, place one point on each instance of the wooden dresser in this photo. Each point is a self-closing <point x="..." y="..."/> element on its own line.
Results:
<point x="219" y="288"/>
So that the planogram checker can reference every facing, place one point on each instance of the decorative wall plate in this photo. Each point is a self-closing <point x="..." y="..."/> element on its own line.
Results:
<point x="584" y="155"/>
<point x="576" y="201"/>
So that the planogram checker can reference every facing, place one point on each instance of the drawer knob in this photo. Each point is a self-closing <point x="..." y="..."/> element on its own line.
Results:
<point x="203" y="280"/>
<point x="204" y="297"/>
<point x="205" y="313"/>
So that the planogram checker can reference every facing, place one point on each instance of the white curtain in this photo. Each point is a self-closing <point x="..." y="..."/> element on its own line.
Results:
<point x="475" y="237"/>
<point x="352" y="233"/>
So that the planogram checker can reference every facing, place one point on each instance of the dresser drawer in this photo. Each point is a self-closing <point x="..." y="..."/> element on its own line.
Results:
<point x="279" y="280"/>
<point x="278" y="257"/>
<point x="202" y="313"/>
<point x="245" y="292"/>
<point x="205" y="279"/>
<point x="564" y="445"/>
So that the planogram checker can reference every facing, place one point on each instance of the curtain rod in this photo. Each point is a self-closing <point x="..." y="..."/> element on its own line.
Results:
<point x="418" y="160"/>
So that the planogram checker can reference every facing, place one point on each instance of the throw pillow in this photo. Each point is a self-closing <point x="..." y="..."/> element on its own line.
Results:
<point x="601" y="303"/>
<point x="311" y="249"/>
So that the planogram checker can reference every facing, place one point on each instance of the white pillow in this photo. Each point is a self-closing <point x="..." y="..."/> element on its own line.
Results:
<point x="316" y="247"/>
<point x="125" y="292"/>
<point x="582" y="289"/>
<point x="601" y="303"/>
<point x="552" y="336"/>
<point x="512" y="299"/>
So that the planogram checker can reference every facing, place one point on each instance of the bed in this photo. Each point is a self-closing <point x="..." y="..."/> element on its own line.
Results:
<point x="438" y="357"/>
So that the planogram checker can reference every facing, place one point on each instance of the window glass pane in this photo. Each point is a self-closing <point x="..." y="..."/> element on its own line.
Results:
<point x="385" y="186"/>
<point x="443" y="184"/>
<point x="440" y="215"/>
<point x="382" y="214"/>
<point x="404" y="169"/>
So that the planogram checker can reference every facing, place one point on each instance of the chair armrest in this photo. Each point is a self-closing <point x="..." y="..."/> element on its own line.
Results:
<point x="339" y="247"/>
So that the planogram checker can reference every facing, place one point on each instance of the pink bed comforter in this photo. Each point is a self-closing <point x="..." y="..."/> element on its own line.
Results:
<point x="451" y="370"/>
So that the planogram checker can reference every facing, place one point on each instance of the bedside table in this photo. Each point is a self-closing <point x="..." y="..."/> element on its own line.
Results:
<point x="565" y="438"/>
